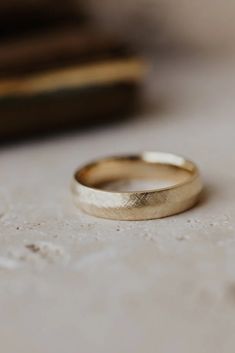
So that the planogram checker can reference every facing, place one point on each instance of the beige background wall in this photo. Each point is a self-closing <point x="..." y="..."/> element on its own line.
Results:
<point x="202" y="23"/>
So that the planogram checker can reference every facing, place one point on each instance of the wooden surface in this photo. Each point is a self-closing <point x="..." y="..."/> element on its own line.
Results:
<point x="74" y="283"/>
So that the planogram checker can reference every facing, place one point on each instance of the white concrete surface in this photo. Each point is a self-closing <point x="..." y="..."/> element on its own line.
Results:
<point x="74" y="283"/>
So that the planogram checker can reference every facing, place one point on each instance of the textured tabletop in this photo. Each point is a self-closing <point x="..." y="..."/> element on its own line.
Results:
<point x="73" y="283"/>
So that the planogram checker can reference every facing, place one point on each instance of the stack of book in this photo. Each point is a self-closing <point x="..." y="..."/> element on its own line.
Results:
<point x="61" y="73"/>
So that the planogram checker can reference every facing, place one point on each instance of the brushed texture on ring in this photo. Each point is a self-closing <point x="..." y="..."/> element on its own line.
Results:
<point x="137" y="205"/>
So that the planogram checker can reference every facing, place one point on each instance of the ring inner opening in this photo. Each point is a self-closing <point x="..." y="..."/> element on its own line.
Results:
<point x="133" y="175"/>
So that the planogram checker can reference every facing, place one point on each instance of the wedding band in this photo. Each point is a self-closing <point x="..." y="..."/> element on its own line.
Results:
<point x="91" y="197"/>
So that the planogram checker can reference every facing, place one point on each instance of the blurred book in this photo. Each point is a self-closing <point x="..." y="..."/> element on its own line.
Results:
<point x="18" y="17"/>
<point x="63" y="76"/>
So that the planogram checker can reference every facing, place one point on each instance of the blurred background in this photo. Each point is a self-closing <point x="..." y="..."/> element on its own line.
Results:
<point x="69" y="64"/>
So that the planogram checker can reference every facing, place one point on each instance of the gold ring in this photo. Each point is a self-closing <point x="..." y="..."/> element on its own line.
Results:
<point x="90" y="195"/>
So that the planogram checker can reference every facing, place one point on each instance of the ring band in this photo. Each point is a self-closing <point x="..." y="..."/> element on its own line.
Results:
<point x="137" y="205"/>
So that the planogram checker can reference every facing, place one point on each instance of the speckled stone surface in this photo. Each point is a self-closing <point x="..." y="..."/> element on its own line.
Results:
<point x="73" y="283"/>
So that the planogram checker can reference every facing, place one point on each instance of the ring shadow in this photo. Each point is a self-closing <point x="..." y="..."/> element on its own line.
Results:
<point x="206" y="195"/>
